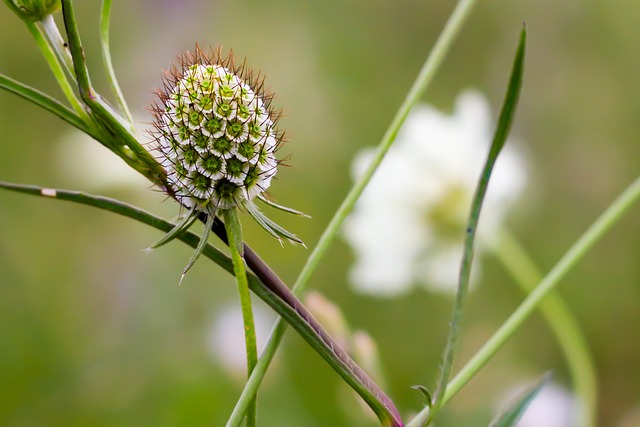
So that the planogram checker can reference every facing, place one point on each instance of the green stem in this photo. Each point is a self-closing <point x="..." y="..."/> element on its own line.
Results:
<point x="419" y="87"/>
<point x="562" y="322"/>
<point x="234" y="237"/>
<point x="598" y="229"/>
<point x="105" y="17"/>
<point x="49" y="53"/>
<point x="130" y="148"/>
<point x="46" y="102"/>
<point x="55" y="40"/>
<point x="425" y="76"/>
<point x="264" y="283"/>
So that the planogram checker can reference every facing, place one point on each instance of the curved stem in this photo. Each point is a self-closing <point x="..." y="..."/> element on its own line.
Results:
<point x="431" y="65"/>
<point x="46" y="102"/>
<point x="608" y="218"/>
<point x="562" y="323"/>
<point x="590" y="237"/>
<point x="130" y="148"/>
<point x="264" y="283"/>
<point x="419" y="87"/>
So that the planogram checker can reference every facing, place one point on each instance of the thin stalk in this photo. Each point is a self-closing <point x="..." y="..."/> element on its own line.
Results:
<point x="424" y="78"/>
<point x="57" y="43"/>
<point x="264" y="283"/>
<point x="105" y="18"/>
<point x="49" y="53"/>
<point x="46" y="102"/>
<point x="131" y="150"/>
<point x="590" y="237"/>
<point x="234" y="234"/>
<point x="562" y="323"/>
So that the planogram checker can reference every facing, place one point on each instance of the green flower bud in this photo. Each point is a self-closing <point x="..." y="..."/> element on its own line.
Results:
<point x="33" y="10"/>
<point x="215" y="132"/>
<point x="216" y="136"/>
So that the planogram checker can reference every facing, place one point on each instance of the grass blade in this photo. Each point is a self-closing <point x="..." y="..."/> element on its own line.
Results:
<point x="502" y="130"/>
<point x="512" y="415"/>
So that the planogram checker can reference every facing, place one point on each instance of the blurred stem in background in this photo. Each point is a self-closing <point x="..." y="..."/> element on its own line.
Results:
<point x="546" y="286"/>
<point x="432" y="64"/>
<point x="588" y="239"/>
<point x="562" y="323"/>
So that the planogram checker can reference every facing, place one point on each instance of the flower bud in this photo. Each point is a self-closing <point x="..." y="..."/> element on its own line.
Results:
<point x="33" y="10"/>
<point x="216" y="133"/>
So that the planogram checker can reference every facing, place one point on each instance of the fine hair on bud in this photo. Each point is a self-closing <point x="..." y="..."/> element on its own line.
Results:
<point x="215" y="131"/>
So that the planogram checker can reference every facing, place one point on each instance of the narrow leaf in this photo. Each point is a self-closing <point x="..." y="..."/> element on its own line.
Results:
<point x="45" y="101"/>
<point x="201" y="245"/>
<point x="502" y="130"/>
<point x="281" y="208"/>
<point x="512" y="415"/>
<point x="181" y="226"/>
<point x="425" y="391"/>
<point x="270" y="226"/>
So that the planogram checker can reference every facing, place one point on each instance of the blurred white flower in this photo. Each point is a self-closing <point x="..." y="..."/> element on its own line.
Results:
<point x="408" y="226"/>
<point x="552" y="407"/>
<point x="225" y="338"/>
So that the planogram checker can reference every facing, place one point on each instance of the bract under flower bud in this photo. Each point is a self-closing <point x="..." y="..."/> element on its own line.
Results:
<point x="216" y="133"/>
<point x="33" y="10"/>
<point x="216" y="137"/>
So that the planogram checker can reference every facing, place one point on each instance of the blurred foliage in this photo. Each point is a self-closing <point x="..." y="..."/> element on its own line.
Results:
<point x="96" y="332"/>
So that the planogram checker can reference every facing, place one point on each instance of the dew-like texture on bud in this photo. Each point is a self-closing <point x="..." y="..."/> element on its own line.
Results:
<point x="215" y="132"/>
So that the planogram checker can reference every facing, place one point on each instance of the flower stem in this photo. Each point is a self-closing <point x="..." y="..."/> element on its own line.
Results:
<point x="105" y="17"/>
<point x="124" y="142"/>
<point x="606" y="220"/>
<point x="48" y="48"/>
<point x="562" y="322"/>
<point x="431" y="65"/>
<point x="598" y="229"/>
<point x="420" y="85"/>
<point x="234" y="235"/>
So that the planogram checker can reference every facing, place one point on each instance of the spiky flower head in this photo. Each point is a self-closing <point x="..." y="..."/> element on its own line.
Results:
<point x="216" y="132"/>
<point x="216" y="136"/>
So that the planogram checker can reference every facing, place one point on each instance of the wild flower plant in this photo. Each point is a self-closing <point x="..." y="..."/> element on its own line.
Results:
<point x="216" y="137"/>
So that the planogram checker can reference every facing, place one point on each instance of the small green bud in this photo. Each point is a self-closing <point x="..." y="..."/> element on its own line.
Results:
<point x="216" y="136"/>
<point x="225" y="131"/>
<point x="33" y="10"/>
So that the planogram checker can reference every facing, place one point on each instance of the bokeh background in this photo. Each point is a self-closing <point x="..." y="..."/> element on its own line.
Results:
<point x="93" y="331"/>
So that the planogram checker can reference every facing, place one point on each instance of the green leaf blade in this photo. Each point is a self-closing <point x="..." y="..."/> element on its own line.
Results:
<point x="512" y="415"/>
<point x="505" y="120"/>
<point x="44" y="101"/>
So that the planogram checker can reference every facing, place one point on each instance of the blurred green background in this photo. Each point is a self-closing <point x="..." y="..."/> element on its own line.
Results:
<point x="95" y="332"/>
